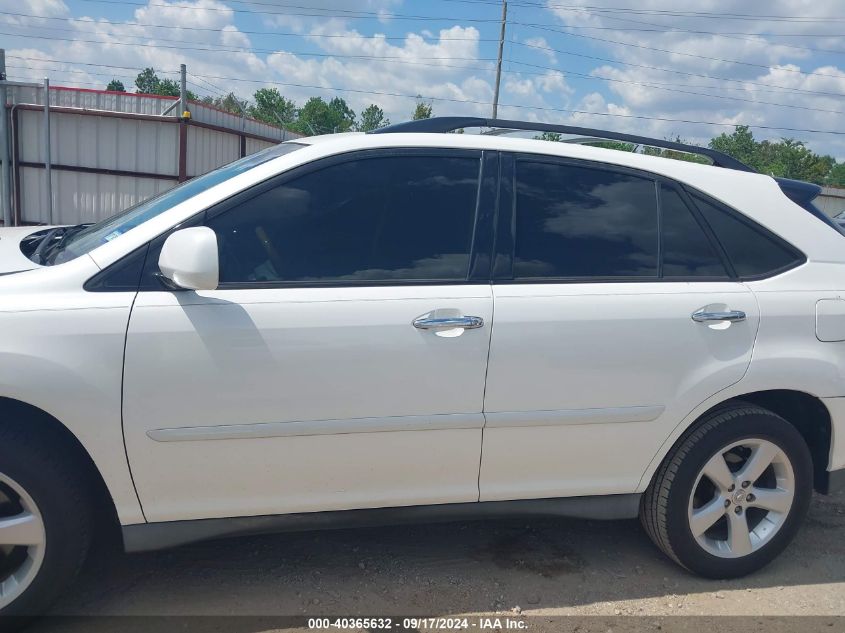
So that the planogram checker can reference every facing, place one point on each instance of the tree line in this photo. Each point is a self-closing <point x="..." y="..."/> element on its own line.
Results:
<point x="315" y="116"/>
<point x="787" y="157"/>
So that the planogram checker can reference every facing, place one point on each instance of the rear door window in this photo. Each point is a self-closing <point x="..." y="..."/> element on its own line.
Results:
<point x="687" y="249"/>
<point x="583" y="222"/>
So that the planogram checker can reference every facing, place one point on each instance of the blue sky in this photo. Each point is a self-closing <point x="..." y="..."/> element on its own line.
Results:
<point x="645" y="67"/>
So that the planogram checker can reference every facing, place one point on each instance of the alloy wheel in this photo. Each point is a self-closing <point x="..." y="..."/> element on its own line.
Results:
<point x="741" y="498"/>
<point x="22" y="540"/>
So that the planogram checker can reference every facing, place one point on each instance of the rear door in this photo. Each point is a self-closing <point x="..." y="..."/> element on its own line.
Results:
<point x="613" y="321"/>
<point x="341" y="362"/>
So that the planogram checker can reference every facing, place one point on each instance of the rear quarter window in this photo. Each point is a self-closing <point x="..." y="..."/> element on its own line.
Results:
<point x="753" y="251"/>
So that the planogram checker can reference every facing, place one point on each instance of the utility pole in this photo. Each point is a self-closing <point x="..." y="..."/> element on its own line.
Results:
<point x="48" y="160"/>
<point x="6" y="177"/>
<point x="183" y="90"/>
<point x="184" y="115"/>
<point x="499" y="62"/>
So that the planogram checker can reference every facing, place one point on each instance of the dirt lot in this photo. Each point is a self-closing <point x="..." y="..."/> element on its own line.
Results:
<point x="538" y="568"/>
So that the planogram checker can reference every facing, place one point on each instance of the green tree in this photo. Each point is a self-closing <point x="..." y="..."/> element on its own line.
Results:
<point x="617" y="145"/>
<point x="548" y="136"/>
<point x="671" y="153"/>
<point x="167" y="88"/>
<point x="788" y="158"/>
<point x="147" y="82"/>
<point x="115" y="85"/>
<point x="423" y="109"/>
<point x="740" y="144"/>
<point x="792" y="159"/>
<point x="319" y="117"/>
<point x="343" y="115"/>
<point x="836" y="177"/>
<point x="271" y="107"/>
<point x="228" y="103"/>
<point x="372" y="118"/>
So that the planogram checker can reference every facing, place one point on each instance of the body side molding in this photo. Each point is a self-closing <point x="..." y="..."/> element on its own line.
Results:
<point x="319" y="427"/>
<point x="563" y="417"/>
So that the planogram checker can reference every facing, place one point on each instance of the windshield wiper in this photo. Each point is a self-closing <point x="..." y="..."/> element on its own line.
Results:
<point x="37" y="254"/>
<point x="50" y="245"/>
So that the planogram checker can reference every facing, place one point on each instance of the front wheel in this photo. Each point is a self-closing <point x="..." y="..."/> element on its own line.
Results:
<point x="732" y="494"/>
<point x="45" y="522"/>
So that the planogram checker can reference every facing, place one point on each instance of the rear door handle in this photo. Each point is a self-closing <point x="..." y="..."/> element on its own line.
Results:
<point x="730" y="315"/>
<point x="426" y="322"/>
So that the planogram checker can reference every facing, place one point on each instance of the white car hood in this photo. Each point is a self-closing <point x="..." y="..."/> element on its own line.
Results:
<point x="11" y="258"/>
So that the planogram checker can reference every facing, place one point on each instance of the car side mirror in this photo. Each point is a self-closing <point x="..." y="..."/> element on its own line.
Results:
<point x="188" y="259"/>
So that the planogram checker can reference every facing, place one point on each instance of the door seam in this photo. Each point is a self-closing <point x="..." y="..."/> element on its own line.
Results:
<point x="122" y="401"/>
<point x="484" y="392"/>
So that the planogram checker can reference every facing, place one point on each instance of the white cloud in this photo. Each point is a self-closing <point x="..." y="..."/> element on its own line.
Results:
<point x="453" y="64"/>
<point x="651" y="92"/>
<point x="541" y="45"/>
<point x="51" y="8"/>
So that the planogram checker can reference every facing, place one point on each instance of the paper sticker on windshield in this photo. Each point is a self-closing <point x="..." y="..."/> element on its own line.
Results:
<point x="111" y="236"/>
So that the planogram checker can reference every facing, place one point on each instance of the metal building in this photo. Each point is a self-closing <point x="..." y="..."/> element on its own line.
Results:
<point x="831" y="200"/>
<point x="111" y="150"/>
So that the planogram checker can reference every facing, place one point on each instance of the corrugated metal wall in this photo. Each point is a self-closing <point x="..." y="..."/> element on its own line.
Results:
<point x="110" y="151"/>
<point x="831" y="200"/>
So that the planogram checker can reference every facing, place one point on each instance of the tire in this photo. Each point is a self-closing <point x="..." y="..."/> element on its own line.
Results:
<point x="688" y="488"/>
<point x="39" y="480"/>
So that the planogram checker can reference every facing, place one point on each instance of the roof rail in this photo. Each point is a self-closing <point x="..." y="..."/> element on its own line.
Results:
<point x="452" y="123"/>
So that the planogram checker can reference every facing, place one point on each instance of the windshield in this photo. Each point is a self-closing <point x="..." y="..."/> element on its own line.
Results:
<point x="76" y="241"/>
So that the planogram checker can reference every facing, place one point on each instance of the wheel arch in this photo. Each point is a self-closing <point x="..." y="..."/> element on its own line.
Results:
<point x="31" y="419"/>
<point x="806" y="412"/>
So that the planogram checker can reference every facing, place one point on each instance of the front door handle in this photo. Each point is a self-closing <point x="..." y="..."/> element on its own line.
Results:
<point x="426" y="322"/>
<point x="733" y="316"/>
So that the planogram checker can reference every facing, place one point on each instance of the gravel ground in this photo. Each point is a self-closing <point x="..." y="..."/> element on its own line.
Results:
<point x="534" y="570"/>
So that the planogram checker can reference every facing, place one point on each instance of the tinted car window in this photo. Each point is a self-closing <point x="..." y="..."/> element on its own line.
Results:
<point x="751" y="250"/>
<point x="687" y="251"/>
<point x="583" y="222"/>
<point x="367" y="220"/>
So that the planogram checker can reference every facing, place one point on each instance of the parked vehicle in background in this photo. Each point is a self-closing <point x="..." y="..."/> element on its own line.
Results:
<point x="416" y="325"/>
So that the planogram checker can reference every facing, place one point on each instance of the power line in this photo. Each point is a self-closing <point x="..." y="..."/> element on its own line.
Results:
<point x="360" y="15"/>
<point x="664" y="28"/>
<point x="504" y="105"/>
<point x="386" y="15"/>
<point x="657" y="28"/>
<point x="756" y="37"/>
<point x="217" y="30"/>
<point x="246" y="50"/>
<point x="216" y="48"/>
<point x="351" y="36"/>
<point x="689" y="14"/>
<point x="243" y="50"/>
<point x="672" y="52"/>
<point x="513" y="105"/>
<point x="563" y="72"/>
<point x="702" y="94"/>
<point x="685" y="73"/>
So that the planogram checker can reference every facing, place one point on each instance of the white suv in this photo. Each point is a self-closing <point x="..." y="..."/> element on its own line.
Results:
<point x="413" y="325"/>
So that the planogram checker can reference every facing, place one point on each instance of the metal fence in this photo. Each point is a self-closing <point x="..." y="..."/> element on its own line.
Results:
<point x="111" y="150"/>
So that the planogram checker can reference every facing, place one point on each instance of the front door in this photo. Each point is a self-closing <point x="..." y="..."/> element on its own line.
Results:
<point x="596" y="354"/>
<point x="341" y="362"/>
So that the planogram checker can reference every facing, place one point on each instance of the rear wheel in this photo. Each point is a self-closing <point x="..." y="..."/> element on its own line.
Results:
<point x="45" y="522"/>
<point x="732" y="494"/>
